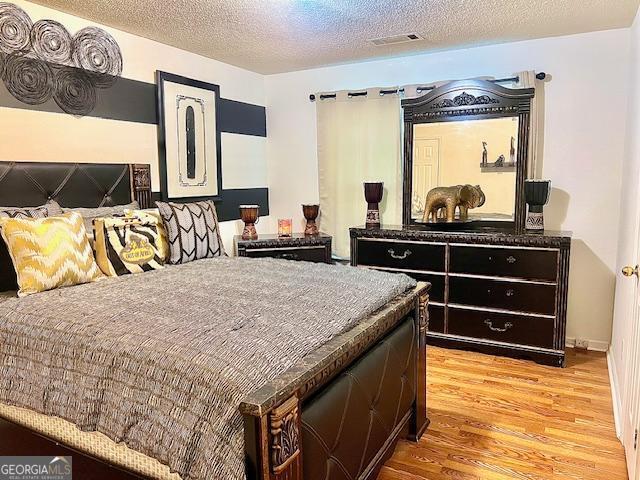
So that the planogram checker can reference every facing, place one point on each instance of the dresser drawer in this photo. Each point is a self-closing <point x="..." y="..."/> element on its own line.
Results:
<point x="503" y="327"/>
<point x="519" y="296"/>
<point x="436" y="294"/>
<point x="436" y="318"/>
<point x="310" y="254"/>
<point x="415" y="256"/>
<point x="505" y="262"/>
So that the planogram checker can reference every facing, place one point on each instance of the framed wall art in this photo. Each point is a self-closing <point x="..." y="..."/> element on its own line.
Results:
<point x="188" y="138"/>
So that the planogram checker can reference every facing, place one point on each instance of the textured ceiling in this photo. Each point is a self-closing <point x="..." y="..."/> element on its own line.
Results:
<point x="271" y="36"/>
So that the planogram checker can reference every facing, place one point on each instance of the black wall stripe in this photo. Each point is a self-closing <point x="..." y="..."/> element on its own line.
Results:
<point x="242" y="118"/>
<point x="129" y="101"/>
<point x="230" y="200"/>
<point x="134" y="101"/>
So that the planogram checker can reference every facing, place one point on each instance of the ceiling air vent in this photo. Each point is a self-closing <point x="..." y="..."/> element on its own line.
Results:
<point x="411" y="37"/>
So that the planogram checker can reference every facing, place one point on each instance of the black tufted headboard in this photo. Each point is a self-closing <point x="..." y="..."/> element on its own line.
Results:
<point x="29" y="184"/>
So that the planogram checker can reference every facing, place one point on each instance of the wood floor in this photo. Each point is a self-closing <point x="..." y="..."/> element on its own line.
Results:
<point x="497" y="418"/>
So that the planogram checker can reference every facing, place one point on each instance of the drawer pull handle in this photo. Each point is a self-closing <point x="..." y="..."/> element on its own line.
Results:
<point x="489" y="323"/>
<point x="510" y="293"/>
<point x="399" y="257"/>
<point x="511" y="259"/>
<point x="289" y="256"/>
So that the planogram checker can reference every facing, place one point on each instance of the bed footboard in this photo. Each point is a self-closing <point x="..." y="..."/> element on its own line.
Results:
<point x="340" y="414"/>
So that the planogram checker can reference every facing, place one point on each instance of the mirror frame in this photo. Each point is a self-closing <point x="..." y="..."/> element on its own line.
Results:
<point x="469" y="100"/>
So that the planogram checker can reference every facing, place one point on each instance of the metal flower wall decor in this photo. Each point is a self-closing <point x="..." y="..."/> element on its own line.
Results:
<point x="42" y="60"/>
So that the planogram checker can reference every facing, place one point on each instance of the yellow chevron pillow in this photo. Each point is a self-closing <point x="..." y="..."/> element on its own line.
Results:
<point x="48" y="253"/>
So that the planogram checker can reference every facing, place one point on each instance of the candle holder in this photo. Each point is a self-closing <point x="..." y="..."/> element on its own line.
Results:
<point x="249" y="215"/>
<point x="284" y="227"/>
<point x="373" y="195"/>
<point x="310" y="213"/>
<point x="536" y="193"/>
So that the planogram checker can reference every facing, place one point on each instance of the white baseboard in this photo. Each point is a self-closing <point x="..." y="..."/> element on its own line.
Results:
<point x="615" y="393"/>
<point x="595" y="345"/>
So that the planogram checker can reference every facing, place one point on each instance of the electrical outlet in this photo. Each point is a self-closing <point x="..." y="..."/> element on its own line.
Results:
<point x="582" y="343"/>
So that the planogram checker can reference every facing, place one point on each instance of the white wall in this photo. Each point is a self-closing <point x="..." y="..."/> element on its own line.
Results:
<point x="584" y="135"/>
<point x="29" y="135"/>
<point x="629" y="213"/>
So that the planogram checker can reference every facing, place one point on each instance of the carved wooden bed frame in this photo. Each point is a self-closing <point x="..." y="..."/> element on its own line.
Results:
<point x="272" y="415"/>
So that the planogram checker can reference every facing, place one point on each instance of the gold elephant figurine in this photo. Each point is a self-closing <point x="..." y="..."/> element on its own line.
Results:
<point x="446" y="199"/>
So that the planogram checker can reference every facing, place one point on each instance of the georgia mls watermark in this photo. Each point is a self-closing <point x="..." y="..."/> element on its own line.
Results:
<point x="35" y="468"/>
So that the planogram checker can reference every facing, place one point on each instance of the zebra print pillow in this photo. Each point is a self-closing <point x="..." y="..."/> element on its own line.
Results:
<point x="192" y="229"/>
<point x="152" y="216"/>
<point x="124" y="245"/>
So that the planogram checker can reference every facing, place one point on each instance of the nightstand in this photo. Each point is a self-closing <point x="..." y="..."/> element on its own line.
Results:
<point x="296" y="247"/>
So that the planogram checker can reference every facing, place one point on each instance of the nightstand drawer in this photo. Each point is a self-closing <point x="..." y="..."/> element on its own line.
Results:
<point x="307" y="254"/>
<point x="405" y="255"/>
<point x="519" y="296"/>
<point x="502" y="327"/>
<point x="505" y="262"/>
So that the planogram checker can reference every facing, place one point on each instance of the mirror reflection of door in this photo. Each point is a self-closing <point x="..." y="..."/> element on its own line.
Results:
<point x="191" y="142"/>
<point x="426" y="171"/>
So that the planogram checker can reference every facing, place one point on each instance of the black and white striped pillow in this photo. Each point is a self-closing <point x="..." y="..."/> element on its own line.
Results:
<point x="192" y="230"/>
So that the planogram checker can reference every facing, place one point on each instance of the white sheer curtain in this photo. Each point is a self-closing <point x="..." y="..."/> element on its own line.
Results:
<point x="359" y="139"/>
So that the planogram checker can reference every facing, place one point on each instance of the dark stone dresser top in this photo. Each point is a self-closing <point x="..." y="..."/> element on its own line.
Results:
<point x="274" y="241"/>
<point x="546" y="238"/>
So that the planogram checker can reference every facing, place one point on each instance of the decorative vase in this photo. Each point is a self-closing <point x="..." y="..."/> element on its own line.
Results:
<point x="310" y="213"/>
<point x="485" y="155"/>
<point x="249" y="215"/>
<point x="373" y="195"/>
<point x="512" y="151"/>
<point x="536" y="194"/>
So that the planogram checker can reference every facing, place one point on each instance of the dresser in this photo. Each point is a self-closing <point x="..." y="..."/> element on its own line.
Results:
<point x="309" y="248"/>
<point x="492" y="291"/>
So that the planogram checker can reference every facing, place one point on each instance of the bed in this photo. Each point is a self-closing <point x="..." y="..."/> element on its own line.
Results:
<point x="337" y="358"/>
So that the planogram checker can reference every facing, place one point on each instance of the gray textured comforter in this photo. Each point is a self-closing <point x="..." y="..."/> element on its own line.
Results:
<point x="161" y="360"/>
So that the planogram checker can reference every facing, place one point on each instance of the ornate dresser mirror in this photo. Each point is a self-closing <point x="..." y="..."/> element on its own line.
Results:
<point x="466" y="151"/>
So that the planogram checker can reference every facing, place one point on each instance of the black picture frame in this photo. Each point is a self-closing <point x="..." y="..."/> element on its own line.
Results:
<point x="161" y="78"/>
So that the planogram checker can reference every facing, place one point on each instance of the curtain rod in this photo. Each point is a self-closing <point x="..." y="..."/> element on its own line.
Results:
<point x="422" y="88"/>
